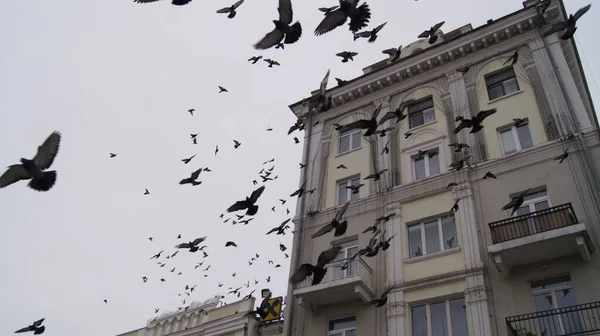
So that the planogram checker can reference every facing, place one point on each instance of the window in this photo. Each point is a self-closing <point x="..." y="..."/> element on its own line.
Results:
<point x="432" y="236"/>
<point x="349" y="140"/>
<point x="345" y="194"/>
<point x="515" y="139"/>
<point x="421" y="113"/>
<point x="501" y="83"/>
<point x="556" y="293"/>
<point x="348" y="250"/>
<point x="446" y="318"/>
<point x="533" y="202"/>
<point x="342" y="327"/>
<point x="426" y="165"/>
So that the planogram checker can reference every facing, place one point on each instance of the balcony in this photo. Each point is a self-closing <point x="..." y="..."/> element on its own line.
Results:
<point x="581" y="319"/>
<point x="353" y="283"/>
<point x="538" y="236"/>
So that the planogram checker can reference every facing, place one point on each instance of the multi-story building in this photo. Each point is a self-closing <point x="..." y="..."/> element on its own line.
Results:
<point x="207" y="319"/>
<point x="479" y="270"/>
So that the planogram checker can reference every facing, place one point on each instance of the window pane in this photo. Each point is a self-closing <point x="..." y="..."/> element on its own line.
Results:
<point x="449" y="232"/>
<point x="564" y="280"/>
<point x="350" y="333"/>
<point x="419" y="321"/>
<point x="523" y="210"/>
<point x="416" y="119"/>
<point x="342" y="193"/>
<point x="458" y="317"/>
<point x="524" y="136"/>
<point x="548" y="324"/>
<point x="434" y="164"/>
<point x="356" y="140"/>
<point x="420" y="169"/>
<point x="439" y="323"/>
<point x="422" y="105"/>
<point x="508" y="142"/>
<point x="343" y="323"/>
<point x="500" y="76"/>
<point x="541" y="205"/>
<point x="429" y="115"/>
<point x="415" y="247"/>
<point x="356" y="196"/>
<point x="510" y="86"/>
<point x="432" y="237"/>
<point x="495" y="92"/>
<point x="344" y="144"/>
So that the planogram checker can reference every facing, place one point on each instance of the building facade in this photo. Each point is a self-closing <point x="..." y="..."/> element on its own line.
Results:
<point x="479" y="270"/>
<point x="207" y="319"/>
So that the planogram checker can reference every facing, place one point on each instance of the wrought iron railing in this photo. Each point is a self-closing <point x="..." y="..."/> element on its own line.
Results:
<point x="583" y="319"/>
<point x="532" y="223"/>
<point x="358" y="267"/>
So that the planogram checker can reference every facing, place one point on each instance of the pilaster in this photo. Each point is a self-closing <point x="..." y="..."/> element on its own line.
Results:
<point x="314" y="161"/>
<point x="383" y="161"/>
<point x="393" y="227"/>
<point x="477" y="306"/>
<point x="395" y="310"/>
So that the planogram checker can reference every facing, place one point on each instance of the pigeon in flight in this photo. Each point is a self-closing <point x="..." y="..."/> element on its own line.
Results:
<point x="336" y="223"/>
<point x="382" y="299"/>
<point x="193" y="245"/>
<point x="394" y="53"/>
<point x="407" y="135"/>
<point x="341" y="167"/>
<point x="298" y="125"/>
<point x="284" y="29"/>
<point x="398" y="113"/>
<point x="463" y="70"/>
<point x="460" y="163"/>
<point x="231" y="10"/>
<point x="371" y="34"/>
<point x="230" y="243"/>
<point x="175" y="2"/>
<point x="512" y="60"/>
<point x="516" y="202"/>
<point x="271" y="62"/>
<point x="216" y="149"/>
<point x="300" y="192"/>
<point x="222" y="89"/>
<point x="327" y="10"/>
<point x="318" y="271"/>
<point x="359" y="17"/>
<point x="36" y="327"/>
<point x="355" y="188"/>
<point x="567" y="26"/>
<point x="254" y="59"/>
<point x="431" y="32"/>
<point x="347" y="55"/>
<point x="192" y="179"/>
<point x="112" y="155"/>
<point x="281" y="228"/>
<point x="194" y="140"/>
<point x="146" y="192"/>
<point x="186" y="161"/>
<point x="562" y="157"/>
<point x="458" y="146"/>
<point x="34" y="169"/>
<point x="370" y="125"/>
<point x="191" y="111"/>
<point x="489" y="175"/>
<point x="236" y="144"/>
<point x="474" y="123"/>
<point x="341" y="82"/>
<point x="156" y="256"/>
<point x="248" y="203"/>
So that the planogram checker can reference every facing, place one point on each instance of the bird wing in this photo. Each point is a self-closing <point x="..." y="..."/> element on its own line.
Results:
<point x="340" y="213"/>
<point x="438" y="26"/>
<point x="424" y="34"/>
<point x="285" y="11"/>
<point x="555" y="28"/>
<point x="26" y="329"/>
<point x="509" y="204"/>
<point x="183" y="245"/>
<point x="331" y="21"/>
<point x="198" y="240"/>
<point x="342" y="54"/>
<point x="284" y="223"/>
<point x="238" y="4"/>
<point x="144" y="1"/>
<point x="378" y="28"/>
<point x="328" y="255"/>
<point x="38" y="322"/>
<point x="386" y="117"/>
<point x="364" y="34"/>
<point x="376" y="112"/>
<point x="581" y="11"/>
<point x="484" y="114"/>
<point x="13" y="174"/>
<point x="323" y="86"/>
<point x="463" y="124"/>
<point x="391" y="51"/>
<point x="47" y="151"/>
<point x="304" y="271"/>
<point x="362" y="123"/>
<point x="239" y="205"/>
<point x="196" y="174"/>
<point x="269" y="40"/>
<point x="275" y="229"/>
<point x="325" y="229"/>
<point x="224" y="10"/>
<point x="256" y="194"/>
<point x="352" y="53"/>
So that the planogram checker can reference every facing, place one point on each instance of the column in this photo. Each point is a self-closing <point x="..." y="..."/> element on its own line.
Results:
<point x="383" y="161"/>
<point x="313" y="163"/>
<point x="395" y="304"/>
<point x="396" y="313"/>
<point x="475" y="293"/>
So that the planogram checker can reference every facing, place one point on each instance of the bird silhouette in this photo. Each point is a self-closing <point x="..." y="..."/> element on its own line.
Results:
<point x="255" y="59"/>
<point x="192" y="245"/>
<point x="186" y="161"/>
<point x="112" y="155"/>
<point x="359" y="17"/>
<point x="36" y="327"/>
<point x="370" y="125"/>
<point x="318" y="271"/>
<point x="474" y="123"/>
<point x="431" y="32"/>
<point x="248" y="203"/>
<point x="370" y="34"/>
<point x="347" y="55"/>
<point x="569" y="26"/>
<point x="271" y="62"/>
<point x="284" y="29"/>
<point x="281" y="228"/>
<point x="336" y="223"/>
<point x="394" y="53"/>
<point x="222" y="89"/>
<point x="231" y="10"/>
<point x="174" y="2"/>
<point x="192" y="179"/>
<point x="516" y="202"/>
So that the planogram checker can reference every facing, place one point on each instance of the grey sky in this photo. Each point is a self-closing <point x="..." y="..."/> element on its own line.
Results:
<point x="114" y="76"/>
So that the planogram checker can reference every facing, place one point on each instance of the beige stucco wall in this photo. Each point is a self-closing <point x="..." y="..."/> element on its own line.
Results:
<point x="365" y="322"/>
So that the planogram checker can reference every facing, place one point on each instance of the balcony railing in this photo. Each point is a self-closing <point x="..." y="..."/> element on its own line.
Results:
<point x="355" y="268"/>
<point x="583" y="319"/>
<point x="532" y="223"/>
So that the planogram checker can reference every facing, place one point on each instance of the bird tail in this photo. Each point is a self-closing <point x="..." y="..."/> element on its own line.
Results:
<point x="252" y="210"/>
<point x="195" y="183"/>
<point x="341" y="228"/>
<point x="43" y="182"/>
<point x="294" y="34"/>
<point x="361" y="19"/>
<point x="318" y="275"/>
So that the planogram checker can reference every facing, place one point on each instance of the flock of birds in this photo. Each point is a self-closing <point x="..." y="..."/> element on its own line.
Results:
<point x="36" y="171"/>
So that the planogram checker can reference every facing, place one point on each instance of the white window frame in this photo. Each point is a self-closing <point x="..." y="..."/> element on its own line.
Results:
<point x="344" y="273"/>
<point x="422" y="111"/>
<point x="531" y="204"/>
<point x="350" y="134"/>
<point x="428" y="315"/>
<point x="347" y="181"/>
<point x="552" y="291"/>
<point x="424" y="240"/>
<point x="342" y="331"/>
<point x="513" y="130"/>
<point x="427" y="165"/>
<point x="411" y="151"/>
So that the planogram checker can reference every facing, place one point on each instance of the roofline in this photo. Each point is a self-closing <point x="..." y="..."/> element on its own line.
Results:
<point x="445" y="42"/>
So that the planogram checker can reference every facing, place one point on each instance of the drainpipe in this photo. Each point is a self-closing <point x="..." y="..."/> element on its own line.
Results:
<point x="588" y="158"/>
<point x="290" y="293"/>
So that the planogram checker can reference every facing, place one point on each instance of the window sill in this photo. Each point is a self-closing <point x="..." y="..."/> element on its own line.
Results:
<point x="350" y="151"/>
<point x="432" y="255"/>
<point x="505" y="96"/>
<point x="517" y="152"/>
<point x="422" y="126"/>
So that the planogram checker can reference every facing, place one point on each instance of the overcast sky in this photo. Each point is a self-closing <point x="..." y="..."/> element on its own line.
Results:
<point x="116" y="76"/>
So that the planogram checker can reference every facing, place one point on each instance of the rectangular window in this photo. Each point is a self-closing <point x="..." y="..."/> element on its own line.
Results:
<point x="426" y="165"/>
<point x="345" y="194"/>
<point x="533" y="202"/>
<point x="349" y="140"/>
<point x="446" y="318"/>
<point x="421" y="113"/>
<point x="342" y="327"/>
<point x="349" y="249"/>
<point x="501" y="83"/>
<point x="556" y="293"/>
<point x="514" y="139"/>
<point x="432" y="236"/>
